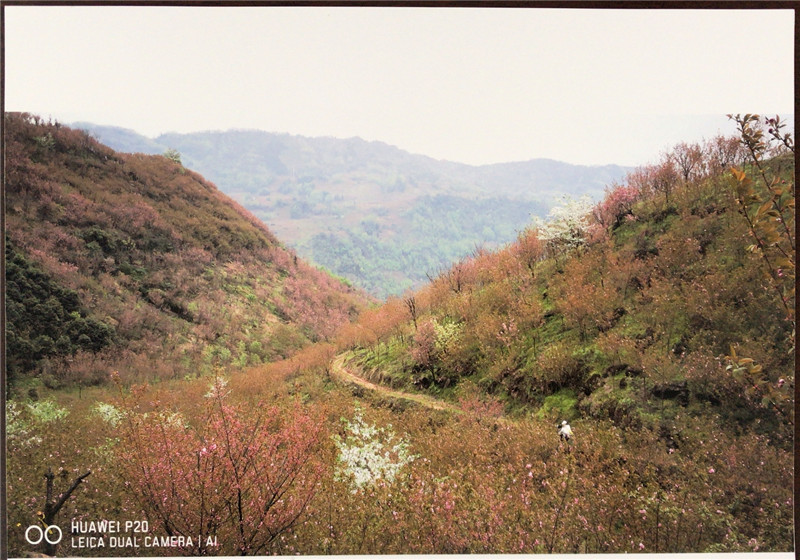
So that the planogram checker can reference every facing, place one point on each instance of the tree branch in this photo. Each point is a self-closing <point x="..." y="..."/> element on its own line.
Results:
<point x="65" y="496"/>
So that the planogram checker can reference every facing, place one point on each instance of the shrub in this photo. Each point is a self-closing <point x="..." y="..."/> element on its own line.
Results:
<point x="245" y="476"/>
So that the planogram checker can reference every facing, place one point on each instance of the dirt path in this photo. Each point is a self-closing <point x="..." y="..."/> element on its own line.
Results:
<point x="349" y="375"/>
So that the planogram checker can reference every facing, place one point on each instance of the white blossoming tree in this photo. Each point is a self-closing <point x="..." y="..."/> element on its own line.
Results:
<point x="368" y="454"/>
<point x="109" y="413"/>
<point x="566" y="226"/>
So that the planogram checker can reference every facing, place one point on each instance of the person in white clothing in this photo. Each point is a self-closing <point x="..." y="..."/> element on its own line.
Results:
<point x="564" y="431"/>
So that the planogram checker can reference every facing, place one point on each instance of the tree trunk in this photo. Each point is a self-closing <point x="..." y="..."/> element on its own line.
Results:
<point x="53" y="505"/>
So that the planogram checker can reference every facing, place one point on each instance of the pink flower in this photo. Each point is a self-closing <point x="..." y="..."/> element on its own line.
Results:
<point x="641" y="546"/>
<point x="711" y="470"/>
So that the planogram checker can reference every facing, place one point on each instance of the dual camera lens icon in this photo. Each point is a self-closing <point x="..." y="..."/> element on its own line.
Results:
<point x="35" y="534"/>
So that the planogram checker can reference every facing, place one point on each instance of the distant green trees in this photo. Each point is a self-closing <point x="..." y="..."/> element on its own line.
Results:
<point x="388" y="257"/>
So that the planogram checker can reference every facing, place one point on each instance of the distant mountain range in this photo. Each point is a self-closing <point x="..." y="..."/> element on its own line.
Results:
<point x="372" y="213"/>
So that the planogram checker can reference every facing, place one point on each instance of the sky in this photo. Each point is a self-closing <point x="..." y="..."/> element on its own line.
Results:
<point x="473" y="85"/>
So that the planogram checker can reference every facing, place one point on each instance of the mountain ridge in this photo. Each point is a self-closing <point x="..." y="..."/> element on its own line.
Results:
<point x="156" y="141"/>
<point x="316" y="192"/>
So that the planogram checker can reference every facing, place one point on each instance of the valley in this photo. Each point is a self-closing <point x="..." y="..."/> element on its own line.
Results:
<point x="378" y="216"/>
<point x="171" y="359"/>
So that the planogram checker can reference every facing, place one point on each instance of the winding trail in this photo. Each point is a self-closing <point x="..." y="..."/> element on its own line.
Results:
<point x="347" y="375"/>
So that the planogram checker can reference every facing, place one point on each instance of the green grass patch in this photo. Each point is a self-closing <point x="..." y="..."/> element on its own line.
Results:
<point x="562" y="404"/>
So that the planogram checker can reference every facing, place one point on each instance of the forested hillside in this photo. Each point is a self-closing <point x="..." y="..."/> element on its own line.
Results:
<point x="134" y="263"/>
<point x="361" y="209"/>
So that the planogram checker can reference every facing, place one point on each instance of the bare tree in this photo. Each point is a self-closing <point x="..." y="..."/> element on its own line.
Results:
<point x="411" y="304"/>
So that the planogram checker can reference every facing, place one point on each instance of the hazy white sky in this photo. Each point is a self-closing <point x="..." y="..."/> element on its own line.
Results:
<point x="470" y="85"/>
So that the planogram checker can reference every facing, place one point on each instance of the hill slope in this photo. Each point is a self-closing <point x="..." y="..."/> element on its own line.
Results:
<point x="362" y="209"/>
<point x="665" y="318"/>
<point x="133" y="263"/>
<point x="627" y="314"/>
